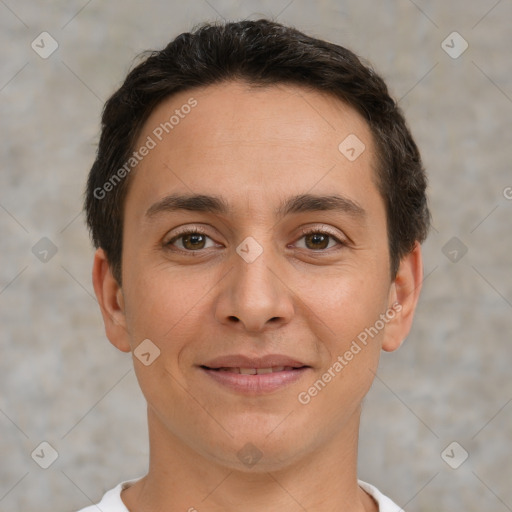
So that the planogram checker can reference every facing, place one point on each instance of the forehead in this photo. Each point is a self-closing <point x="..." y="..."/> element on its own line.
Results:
<point x="251" y="142"/>
<point x="238" y="111"/>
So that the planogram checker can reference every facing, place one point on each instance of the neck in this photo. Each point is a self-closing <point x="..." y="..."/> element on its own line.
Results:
<point x="181" y="479"/>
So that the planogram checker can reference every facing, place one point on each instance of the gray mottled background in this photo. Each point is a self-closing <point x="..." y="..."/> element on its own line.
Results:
<point x="63" y="383"/>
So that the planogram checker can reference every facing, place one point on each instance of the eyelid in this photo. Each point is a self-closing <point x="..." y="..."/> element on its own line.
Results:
<point x="187" y="229"/>
<point x="320" y="229"/>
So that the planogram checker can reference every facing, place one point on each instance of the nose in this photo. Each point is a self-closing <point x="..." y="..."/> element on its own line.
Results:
<point x="254" y="296"/>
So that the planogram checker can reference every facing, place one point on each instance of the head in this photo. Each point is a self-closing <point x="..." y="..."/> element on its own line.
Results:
<point x="248" y="134"/>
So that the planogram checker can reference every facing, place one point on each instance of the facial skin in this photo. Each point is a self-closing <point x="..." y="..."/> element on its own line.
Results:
<point x="304" y="297"/>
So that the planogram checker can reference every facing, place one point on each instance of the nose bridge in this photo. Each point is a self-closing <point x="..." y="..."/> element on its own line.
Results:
<point x="255" y="296"/>
<point x="254" y="275"/>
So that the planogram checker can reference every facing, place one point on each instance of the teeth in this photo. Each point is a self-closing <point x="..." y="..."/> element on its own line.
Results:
<point x="248" y="371"/>
<point x="256" y="371"/>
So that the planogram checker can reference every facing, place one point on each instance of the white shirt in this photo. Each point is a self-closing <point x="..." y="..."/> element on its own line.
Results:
<point x="112" y="502"/>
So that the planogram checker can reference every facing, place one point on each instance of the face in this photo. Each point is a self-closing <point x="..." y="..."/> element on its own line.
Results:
<point x="254" y="244"/>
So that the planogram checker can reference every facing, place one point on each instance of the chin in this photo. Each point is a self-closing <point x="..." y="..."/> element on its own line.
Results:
<point x="255" y="451"/>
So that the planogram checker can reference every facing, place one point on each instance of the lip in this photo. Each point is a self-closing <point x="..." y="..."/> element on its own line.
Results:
<point x="256" y="384"/>
<point x="259" y="383"/>
<point x="241" y="361"/>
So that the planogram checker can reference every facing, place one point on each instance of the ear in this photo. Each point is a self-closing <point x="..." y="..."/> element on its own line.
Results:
<point x="111" y="301"/>
<point x="403" y="298"/>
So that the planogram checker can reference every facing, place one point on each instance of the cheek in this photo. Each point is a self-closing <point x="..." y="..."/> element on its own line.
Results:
<point x="169" y="309"/>
<point x="157" y="301"/>
<point x="167" y="312"/>
<point x="348" y="311"/>
<point x="347" y="302"/>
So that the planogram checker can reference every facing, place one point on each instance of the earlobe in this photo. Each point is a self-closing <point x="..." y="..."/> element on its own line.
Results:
<point x="405" y="291"/>
<point x="111" y="302"/>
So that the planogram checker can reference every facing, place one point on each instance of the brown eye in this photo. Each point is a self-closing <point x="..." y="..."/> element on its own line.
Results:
<point x="190" y="241"/>
<point x="317" y="241"/>
<point x="194" y="241"/>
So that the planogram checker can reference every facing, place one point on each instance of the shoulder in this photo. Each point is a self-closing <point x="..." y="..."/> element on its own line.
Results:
<point x="385" y="504"/>
<point x="111" y="501"/>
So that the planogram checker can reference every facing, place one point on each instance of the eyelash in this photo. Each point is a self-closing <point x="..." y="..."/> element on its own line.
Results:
<point x="304" y="232"/>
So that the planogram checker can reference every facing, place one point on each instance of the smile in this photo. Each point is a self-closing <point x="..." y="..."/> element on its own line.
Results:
<point x="255" y="381"/>
<point x="255" y="371"/>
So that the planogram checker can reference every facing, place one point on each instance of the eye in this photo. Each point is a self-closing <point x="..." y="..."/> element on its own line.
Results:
<point x="190" y="241"/>
<point x="318" y="240"/>
<point x="194" y="240"/>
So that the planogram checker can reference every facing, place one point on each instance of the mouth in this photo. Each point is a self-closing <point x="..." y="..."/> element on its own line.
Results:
<point x="255" y="371"/>
<point x="255" y="376"/>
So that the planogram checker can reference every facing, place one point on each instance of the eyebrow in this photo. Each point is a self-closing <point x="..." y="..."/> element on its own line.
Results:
<point x="301" y="203"/>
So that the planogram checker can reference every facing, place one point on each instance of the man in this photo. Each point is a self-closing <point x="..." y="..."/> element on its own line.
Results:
<point x="257" y="203"/>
